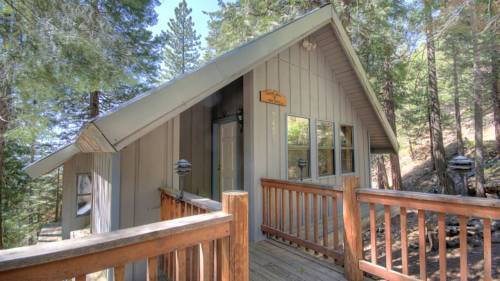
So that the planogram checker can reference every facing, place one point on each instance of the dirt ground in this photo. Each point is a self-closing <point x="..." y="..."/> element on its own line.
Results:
<point x="474" y="241"/>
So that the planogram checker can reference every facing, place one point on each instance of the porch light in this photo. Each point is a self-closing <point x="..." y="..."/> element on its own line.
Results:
<point x="302" y="164"/>
<point x="462" y="165"/>
<point x="182" y="168"/>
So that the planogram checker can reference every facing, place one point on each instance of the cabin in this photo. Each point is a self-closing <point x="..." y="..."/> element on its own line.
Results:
<point x="278" y="134"/>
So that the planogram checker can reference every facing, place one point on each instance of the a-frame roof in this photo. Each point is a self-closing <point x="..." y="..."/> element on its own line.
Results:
<point x="116" y="129"/>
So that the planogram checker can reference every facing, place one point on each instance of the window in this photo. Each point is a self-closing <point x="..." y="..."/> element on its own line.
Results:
<point x="347" y="147"/>
<point x="299" y="146"/>
<point x="326" y="148"/>
<point x="83" y="194"/>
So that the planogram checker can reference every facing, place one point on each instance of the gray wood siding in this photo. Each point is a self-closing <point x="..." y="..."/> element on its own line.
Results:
<point x="80" y="163"/>
<point x="312" y="91"/>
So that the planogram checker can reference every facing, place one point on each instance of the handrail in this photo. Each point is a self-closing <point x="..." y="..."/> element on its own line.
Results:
<point x="290" y="208"/>
<point x="77" y="257"/>
<point x="320" y="189"/>
<point x="463" y="207"/>
<point x="450" y="204"/>
<point x="195" y="200"/>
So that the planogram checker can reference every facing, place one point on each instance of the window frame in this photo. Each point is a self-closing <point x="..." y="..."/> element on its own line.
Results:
<point x="309" y="119"/>
<point x="78" y="195"/>
<point x="353" y="149"/>
<point x="334" y="148"/>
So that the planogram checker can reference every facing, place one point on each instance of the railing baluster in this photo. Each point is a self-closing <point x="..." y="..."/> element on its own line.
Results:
<point x="290" y="212"/>
<point x="264" y="204"/>
<point x="336" y="229"/>
<point x="442" y="246"/>
<point x="206" y="261"/>
<point x="282" y="213"/>
<point x="316" y="220"/>
<point x="324" y="216"/>
<point x="119" y="273"/>
<point x="306" y="213"/>
<point x="487" y="248"/>
<point x="373" y="234"/>
<point x="421" y="244"/>
<point x="152" y="270"/>
<point x="404" y="240"/>
<point x="463" y="247"/>
<point x="275" y="224"/>
<point x="388" y="238"/>
<point x="180" y="265"/>
<point x="223" y="259"/>
<point x="299" y="212"/>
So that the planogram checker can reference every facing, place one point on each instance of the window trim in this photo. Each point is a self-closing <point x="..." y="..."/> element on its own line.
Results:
<point x="354" y="139"/>
<point x="334" y="150"/>
<point x="83" y="194"/>
<point x="310" y="177"/>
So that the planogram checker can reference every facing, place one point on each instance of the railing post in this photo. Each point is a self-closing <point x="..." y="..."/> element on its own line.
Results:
<point x="352" y="230"/>
<point x="236" y="204"/>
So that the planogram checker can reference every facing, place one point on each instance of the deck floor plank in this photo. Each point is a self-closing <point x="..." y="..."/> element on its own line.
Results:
<point x="273" y="260"/>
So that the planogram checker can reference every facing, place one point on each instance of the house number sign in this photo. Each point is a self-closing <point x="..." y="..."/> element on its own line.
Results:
<point x="272" y="96"/>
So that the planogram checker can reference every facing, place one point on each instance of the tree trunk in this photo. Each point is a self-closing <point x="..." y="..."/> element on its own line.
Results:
<point x="5" y="94"/>
<point x="495" y="98"/>
<point x="383" y="183"/>
<point x="94" y="103"/>
<point x="431" y="139"/>
<point x="456" y="101"/>
<point x="412" y="151"/>
<point x="388" y="91"/>
<point x="435" y="113"/>
<point x="478" y="111"/>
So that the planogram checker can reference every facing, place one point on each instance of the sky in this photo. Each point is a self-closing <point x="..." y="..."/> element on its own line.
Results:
<point x="166" y="11"/>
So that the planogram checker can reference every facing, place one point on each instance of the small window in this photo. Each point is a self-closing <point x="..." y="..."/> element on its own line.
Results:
<point x="83" y="195"/>
<point x="347" y="146"/>
<point x="299" y="146"/>
<point x="326" y="148"/>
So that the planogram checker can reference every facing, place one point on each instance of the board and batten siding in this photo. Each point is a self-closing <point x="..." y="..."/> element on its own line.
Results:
<point x="79" y="164"/>
<point x="312" y="91"/>
<point x="147" y="164"/>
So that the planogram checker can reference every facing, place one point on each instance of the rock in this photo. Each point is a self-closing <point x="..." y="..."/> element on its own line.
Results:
<point x="476" y="243"/>
<point x="495" y="237"/>
<point x="452" y="243"/>
<point x="492" y="195"/>
<point x="495" y="225"/>
<point x="452" y="231"/>
<point x="452" y="221"/>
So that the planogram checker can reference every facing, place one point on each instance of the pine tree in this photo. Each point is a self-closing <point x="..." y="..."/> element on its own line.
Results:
<point x="433" y="99"/>
<point x="182" y="50"/>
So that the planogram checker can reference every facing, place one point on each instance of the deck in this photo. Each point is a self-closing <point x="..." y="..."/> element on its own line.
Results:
<point x="276" y="261"/>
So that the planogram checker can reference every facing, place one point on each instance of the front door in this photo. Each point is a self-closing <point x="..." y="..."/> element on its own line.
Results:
<point x="228" y="156"/>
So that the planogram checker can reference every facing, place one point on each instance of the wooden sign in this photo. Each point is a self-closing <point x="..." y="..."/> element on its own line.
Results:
<point x="272" y="96"/>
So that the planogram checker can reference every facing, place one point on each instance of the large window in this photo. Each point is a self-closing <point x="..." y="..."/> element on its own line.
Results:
<point x="83" y="194"/>
<point x="347" y="147"/>
<point x="326" y="148"/>
<point x="299" y="146"/>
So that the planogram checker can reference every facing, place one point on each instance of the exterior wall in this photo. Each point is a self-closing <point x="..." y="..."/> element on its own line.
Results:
<point x="80" y="163"/>
<point x="312" y="91"/>
<point x="146" y="165"/>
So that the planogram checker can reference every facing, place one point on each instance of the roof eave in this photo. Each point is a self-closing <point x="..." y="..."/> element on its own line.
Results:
<point x="361" y="74"/>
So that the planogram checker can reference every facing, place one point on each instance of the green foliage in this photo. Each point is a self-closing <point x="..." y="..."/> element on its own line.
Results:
<point x="182" y="50"/>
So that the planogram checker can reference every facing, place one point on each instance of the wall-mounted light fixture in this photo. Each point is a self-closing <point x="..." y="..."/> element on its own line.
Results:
<point x="308" y="45"/>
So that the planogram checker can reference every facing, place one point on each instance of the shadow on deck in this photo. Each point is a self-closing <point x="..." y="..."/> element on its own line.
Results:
<point x="274" y="260"/>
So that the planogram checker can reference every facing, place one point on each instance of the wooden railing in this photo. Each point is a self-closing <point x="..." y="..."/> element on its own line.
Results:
<point x="235" y="203"/>
<point x="442" y="205"/>
<point x="287" y="213"/>
<point x="172" y="207"/>
<point x="291" y="208"/>
<point x="79" y="257"/>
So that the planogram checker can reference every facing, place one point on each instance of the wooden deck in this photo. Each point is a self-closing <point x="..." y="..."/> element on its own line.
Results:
<point x="275" y="261"/>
